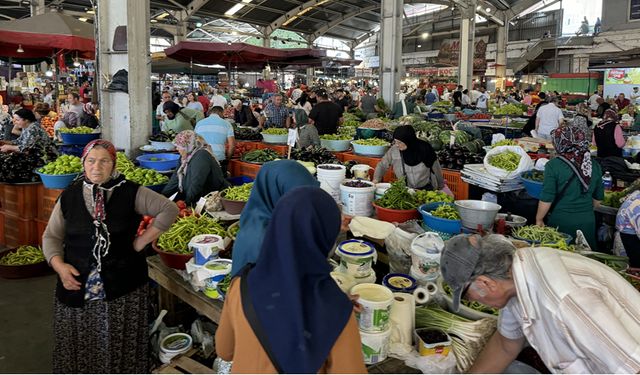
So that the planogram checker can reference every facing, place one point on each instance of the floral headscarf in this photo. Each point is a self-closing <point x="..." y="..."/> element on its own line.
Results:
<point x="609" y="116"/>
<point x="189" y="142"/>
<point x="572" y="145"/>
<point x="88" y="109"/>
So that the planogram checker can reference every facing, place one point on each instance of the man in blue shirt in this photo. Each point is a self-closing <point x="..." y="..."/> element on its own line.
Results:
<point x="218" y="133"/>
<point x="275" y="114"/>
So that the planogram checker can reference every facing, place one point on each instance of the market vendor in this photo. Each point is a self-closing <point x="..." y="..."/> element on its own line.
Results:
<point x="572" y="186"/>
<point x="6" y="127"/>
<point x="628" y="224"/>
<point x="580" y="315"/>
<point x="413" y="159"/>
<point x="243" y="115"/>
<point x="180" y="118"/>
<point x="199" y="172"/>
<point x="635" y="116"/>
<point x="607" y="135"/>
<point x="307" y="133"/>
<point x="102" y="295"/>
<point x="33" y="136"/>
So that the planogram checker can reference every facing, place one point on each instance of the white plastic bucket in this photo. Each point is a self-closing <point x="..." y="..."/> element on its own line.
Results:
<point x="345" y="282"/>
<point x="371" y="279"/>
<point x="381" y="188"/>
<point x="426" y="250"/>
<point x="376" y="303"/>
<point x="361" y="171"/>
<point x="330" y="179"/>
<point x="205" y="247"/>
<point x="173" y="345"/>
<point x="357" y="201"/>
<point x="216" y="271"/>
<point x="375" y="346"/>
<point x="357" y="257"/>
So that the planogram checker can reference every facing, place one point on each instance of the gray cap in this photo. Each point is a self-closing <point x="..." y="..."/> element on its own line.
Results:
<point x="458" y="261"/>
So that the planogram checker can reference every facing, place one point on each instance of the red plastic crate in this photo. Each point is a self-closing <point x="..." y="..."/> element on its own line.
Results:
<point x="459" y="188"/>
<point x="240" y="168"/>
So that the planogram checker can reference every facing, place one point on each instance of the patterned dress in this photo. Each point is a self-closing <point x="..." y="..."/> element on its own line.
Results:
<point x="34" y="136"/>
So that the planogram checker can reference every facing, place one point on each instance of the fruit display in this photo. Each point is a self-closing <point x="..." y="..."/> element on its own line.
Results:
<point x="275" y="131"/>
<point x="372" y="142"/>
<point x="47" y="124"/>
<point x="315" y="154"/>
<point x="65" y="164"/>
<point x="238" y="193"/>
<point x="456" y="156"/>
<point x="163" y="136"/>
<point x="446" y="211"/>
<point x="260" y="156"/>
<point x="22" y="256"/>
<point x="507" y="160"/>
<point x="77" y="130"/>
<point x="475" y="116"/>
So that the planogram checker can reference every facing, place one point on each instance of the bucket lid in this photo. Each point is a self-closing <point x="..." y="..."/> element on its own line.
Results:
<point x="205" y="239"/>
<point x="427" y="243"/>
<point x="222" y="265"/>
<point x="176" y="342"/>
<point x="356" y="248"/>
<point x="399" y="282"/>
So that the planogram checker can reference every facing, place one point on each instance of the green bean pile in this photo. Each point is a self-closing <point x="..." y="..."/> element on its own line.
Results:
<point x="507" y="160"/>
<point x="538" y="234"/>
<point x="276" y="131"/>
<point x="260" y="156"/>
<point x="397" y="197"/>
<point x="23" y="256"/>
<point x="176" y="239"/>
<point x="446" y="211"/>
<point x="238" y="193"/>
<point x="372" y="142"/>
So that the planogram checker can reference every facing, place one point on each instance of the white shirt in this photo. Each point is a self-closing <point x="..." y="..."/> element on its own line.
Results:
<point x="218" y="101"/>
<point x="577" y="313"/>
<point x="549" y="116"/>
<point x="635" y="97"/>
<point x="483" y="101"/>
<point x="593" y="102"/>
<point x="474" y="94"/>
<point x="466" y="100"/>
<point x="355" y="95"/>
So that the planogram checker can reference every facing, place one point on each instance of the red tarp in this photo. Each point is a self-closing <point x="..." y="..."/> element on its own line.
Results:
<point x="41" y="35"/>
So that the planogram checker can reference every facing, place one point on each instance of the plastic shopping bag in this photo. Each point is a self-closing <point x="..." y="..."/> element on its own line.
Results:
<point x="525" y="164"/>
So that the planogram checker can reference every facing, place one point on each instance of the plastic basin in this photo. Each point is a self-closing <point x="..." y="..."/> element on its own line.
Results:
<point x="159" y="162"/>
<point x="75" y="150"/>
<point x="437" y="223"/>
<point x="533" y="188"/>
<point x="474" y="213"/>
<point x="157" y="188"/>
<point x="232" y="207"/>
<point x="166" y="146"/>
<point x="24" y="271"/>
<point x="57" y="181"/>
<point x="78" y="139"/>
<point x="395" y="216"/>
<point x="172" y="260"/>
<point x="274" y="138"/>
<point x="334" y="145"/>
<point x="376" y="151"/>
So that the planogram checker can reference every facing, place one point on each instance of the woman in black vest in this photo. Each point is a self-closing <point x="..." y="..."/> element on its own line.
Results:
<point x="607" y="135"/>
<point x="100" y="310"/>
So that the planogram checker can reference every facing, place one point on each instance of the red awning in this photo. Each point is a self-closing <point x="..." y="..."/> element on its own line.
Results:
<point x="40" y="35"/>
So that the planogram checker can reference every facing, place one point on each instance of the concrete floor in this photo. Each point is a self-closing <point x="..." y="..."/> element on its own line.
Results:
<point x="26" y="316"/>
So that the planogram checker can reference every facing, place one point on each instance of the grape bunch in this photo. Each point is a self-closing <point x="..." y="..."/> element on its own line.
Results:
<point x="65" y="164"/>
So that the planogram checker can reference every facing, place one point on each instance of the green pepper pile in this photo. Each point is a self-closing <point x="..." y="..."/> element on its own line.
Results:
<point x="260" y="156"/>
<point x="372" y="142"/>
<point x="336" y="137"/>
<point x="397" y="197"/>
<point x="176" y="239"/>
<point x="65" y="164"/>
<point x="507" y="160"/>
<point x="141" y="176"/>
<point x="22" y="256"/>
<point x="431" y="196"/>
<point x="538" y="234"/>
<point x="77" y="130"/>
<point x="238" y="193"/>
<point x="505" y="142"/>
<point x="276" y="131"/>
<point x="446" y="211"/>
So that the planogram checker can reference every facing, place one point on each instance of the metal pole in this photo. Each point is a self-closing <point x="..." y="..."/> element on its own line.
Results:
<point x="191" y="71"/>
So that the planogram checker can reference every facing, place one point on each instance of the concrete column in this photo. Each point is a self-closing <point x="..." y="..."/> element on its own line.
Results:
<point x="37" y="7"/>
<point x="311" y="73"/>
<point x="467" y="36"/>
<point x="580" y="64"/>
<point x="391" y="49"/>
<point x="502" y="40"/>
<point x="181" y="32"/>
<point x="266" y="41"/>
<point x="125" y="117"/>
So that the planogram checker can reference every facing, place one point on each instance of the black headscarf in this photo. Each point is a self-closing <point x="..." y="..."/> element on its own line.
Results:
<point x="418" y="151"/>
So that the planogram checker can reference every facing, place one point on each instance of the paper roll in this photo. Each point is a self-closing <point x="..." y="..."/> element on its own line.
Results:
<point x="421" y="296"/>
<point x="402" y="317"/>
<point x="431" y="288"/>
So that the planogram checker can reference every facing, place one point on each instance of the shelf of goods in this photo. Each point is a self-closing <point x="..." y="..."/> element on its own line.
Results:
<point x="368" y="160"/>
<point x="18" y="214"/>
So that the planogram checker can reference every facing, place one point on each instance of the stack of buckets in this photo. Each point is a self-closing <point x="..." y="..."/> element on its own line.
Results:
<point x="355" y="201"/>
<point x="330" y="177"/>
<point x="356" y="260"/>
<point x="373" y="321"/>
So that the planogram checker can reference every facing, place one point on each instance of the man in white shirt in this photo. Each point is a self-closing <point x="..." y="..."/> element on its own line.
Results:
<point x="635" y="96"/>
<point x="218" y="100"/>
<point x="483" y="100"/>
<point x="578" y="314"/>
<point x="593" y="101"/>
<point x="548" y="119"/>
<point x="160" y="115"/>
<point x="474" y="95"/>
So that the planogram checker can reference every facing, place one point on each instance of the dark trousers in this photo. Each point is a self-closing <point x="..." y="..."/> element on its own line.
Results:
<point x="223" y="166"/>
<point x="631" y="244"/>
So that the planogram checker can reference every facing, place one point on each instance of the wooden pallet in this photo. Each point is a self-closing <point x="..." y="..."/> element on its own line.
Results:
<point x="184" y="364"/>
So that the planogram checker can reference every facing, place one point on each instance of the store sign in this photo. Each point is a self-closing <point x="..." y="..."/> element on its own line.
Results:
<point x="431" y="72"/>
<point x="625" y="76"/>
<point x="449" y="53"/>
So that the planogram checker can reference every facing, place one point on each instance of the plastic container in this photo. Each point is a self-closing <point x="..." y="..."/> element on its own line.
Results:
<point x="218" y="269"/>
<point x="364" y="133"/>
<point x="356" y="258"/>
<point x="345" y="282"/>
<point x="78" y="139"/>
<point x="534" y="188"/>
<point x="381" y="188"/>
<point x="607" y="181"/>
<point x="23" y="271"/>
<point x="75" y="150"/>
<point x="232" y="207"/>
<point x="159" y="162"/>
<point x="59" y="181"/>
<point x="431" y="348"/>
<point x="172" y="260"/>
<point x="162" y="146"/>
<point x="376" y="303"/>
<point x="274" y="138"/>
<point x="426" y="250"/>
<point x="205" y="247"/>
<point x="474" y="213"/>
<point x="437" y="223"/>
<point x="361" y="171"/>
<point x="400" y="283"/>
<point x="375" y="346"/>
<point x="174" y="345"/>
<point x="330" y="177"/>
<point x="335" y="145"/>
<point x="375" y="151"/>
<point x="395" y="216"/>
<point x="357" y="201"/>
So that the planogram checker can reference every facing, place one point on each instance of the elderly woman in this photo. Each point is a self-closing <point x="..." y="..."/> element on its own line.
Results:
<point x="320" y="334"/>
<point x="88" y="117"/>
<point x="70" y="119"/>
<point x="583" y="116"/>
<point x="307" y="133"/>
<point x="607" y="135"/>
<point x="412" y="159"/>
<point x="32" y="136"/>
<point x="179" y="118"/>
<point x="102" y="292"/>
<point x="199" y="172"/>
<point x="572" y="185"/>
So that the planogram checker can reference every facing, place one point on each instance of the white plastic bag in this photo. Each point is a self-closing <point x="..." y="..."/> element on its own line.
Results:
<point x="525" y="164"/>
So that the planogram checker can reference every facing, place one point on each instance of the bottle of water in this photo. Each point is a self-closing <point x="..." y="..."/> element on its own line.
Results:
<point x="607" y="181"/>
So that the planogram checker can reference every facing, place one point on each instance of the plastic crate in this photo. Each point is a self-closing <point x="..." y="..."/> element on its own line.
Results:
<point x="18" y="231"/>
<point x="280" y="149"/>
<point x="240" y="168"/>
<point x="47" y="199"/>
<point x="20" y="200"/>
<point x="243" y="147"/>
<point x="459" y="188"/>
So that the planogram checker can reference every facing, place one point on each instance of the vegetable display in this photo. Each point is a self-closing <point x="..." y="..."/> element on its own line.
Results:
<point x="260" y="156"/>
<point x="456" y="156"/>
<point x="163" y="136"/>
<point x="507" y="160"/>
<point x="372" y="142"/>
<point x="224" y="285"/>
<point x="613" y="198"/>
<point x="397" y="197"/>
<point x="510" y="110"/>
<point x="176" y="239"/>
<point x="373" y="123"/>
<point x="141" y="176"/>
<point x="505" y="142"/>
<point x="77" y="130"/>
<point x="48" y="123"/>
<point x="616" y="262"/>
<point x="472" y="304"/>
<point x="336" y="137"/>
<point x="314" y="154"/>
<point x="357" y="184"/>
<point x="351" y="118"/>
<point x="233" y="230"/>
<point x="537" y="176"/>
<point x="446" y="211"/>
<point x="17" y="167"/>
<point x="22" y="256"/>
<point x="65" y="164"/>
<point x="276" y="131"/>
<point x="538" y="234"/>
<point x="238" y="193"/>
<point x="244" y="134"/>
<point x="351" y="123"/>
<point x="431" y="196"/>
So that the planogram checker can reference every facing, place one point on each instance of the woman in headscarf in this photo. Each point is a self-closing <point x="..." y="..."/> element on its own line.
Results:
<point x="88" y="117"/>
<point x="572" y="186"/>
<point x="583" y="116"/>
<point x="100" y="309"/>
<point x="286" y="314"/>
<point x="199" y="172"/>
<point x="273" y="180"/>
<point x="607" y="135"/>
<point x="180" y="118"/>
<point x="69" y="120"/>
<point x="32" y="136"/>
<point x="307" y="133"/>
<point x="413" y="159"/>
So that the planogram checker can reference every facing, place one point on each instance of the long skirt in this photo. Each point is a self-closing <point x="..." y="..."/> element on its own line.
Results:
<point x="103" y="336"/>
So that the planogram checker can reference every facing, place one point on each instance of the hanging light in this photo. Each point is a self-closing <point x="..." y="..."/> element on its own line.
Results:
<point x="20" y="50"/>
<point x="76" y="62"/>
<point x="229" y="43"/>
<point x="49" y="73"/>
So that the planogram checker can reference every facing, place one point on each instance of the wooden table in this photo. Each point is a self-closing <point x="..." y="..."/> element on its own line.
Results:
<point x="170" y="280"/>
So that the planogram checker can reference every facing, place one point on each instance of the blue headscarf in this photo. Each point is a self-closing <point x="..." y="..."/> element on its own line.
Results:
<point x="273" y="181"/>
<point x="301" y="309"/>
